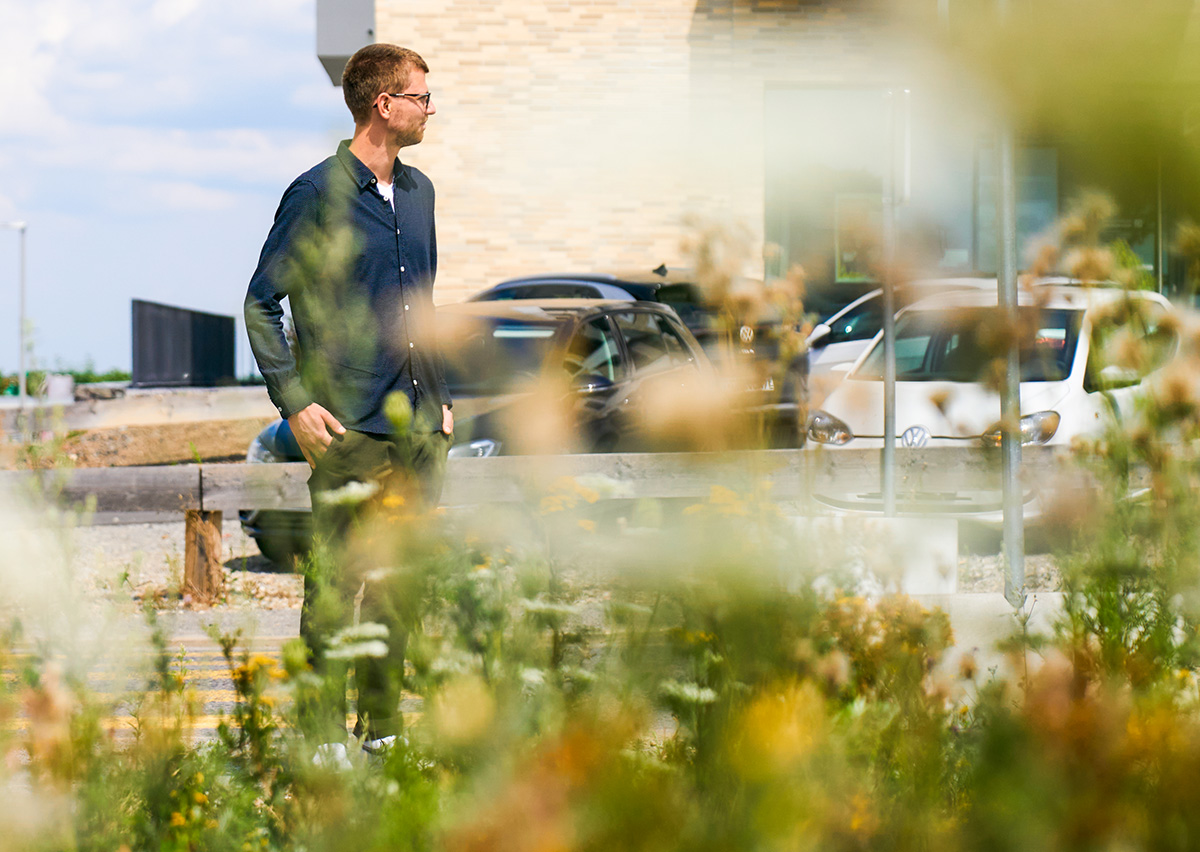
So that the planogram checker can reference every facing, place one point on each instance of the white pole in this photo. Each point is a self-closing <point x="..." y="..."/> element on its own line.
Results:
<point x="887" y="466"/>
<point x="1010" y="400"/>
<point x="20" y="227"/>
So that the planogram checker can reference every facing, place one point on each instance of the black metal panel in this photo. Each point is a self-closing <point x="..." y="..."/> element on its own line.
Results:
<point x="176" y="347"/>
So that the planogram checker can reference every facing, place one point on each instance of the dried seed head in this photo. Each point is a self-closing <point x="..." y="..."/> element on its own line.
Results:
<point x="1187" y="240"/>
<point x="1044" y="261"/>
<point x="1090" y="264"/>
<point x="1089" y="215"/>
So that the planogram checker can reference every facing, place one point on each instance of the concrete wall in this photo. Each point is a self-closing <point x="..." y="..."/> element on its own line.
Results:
<point x="578" y="135"/>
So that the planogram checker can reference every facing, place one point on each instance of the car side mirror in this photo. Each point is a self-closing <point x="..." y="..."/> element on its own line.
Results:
<point x="592" y="383"/>
<point x="1114" y="376"/>
<point x="817" y="338"/>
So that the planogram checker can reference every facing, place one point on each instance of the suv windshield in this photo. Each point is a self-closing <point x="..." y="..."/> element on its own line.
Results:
<point x="960" y="345"/>
<point x="488" y="355"/>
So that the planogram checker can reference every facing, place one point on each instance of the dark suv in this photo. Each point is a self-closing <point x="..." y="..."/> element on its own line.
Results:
<point x="672" y="287"/>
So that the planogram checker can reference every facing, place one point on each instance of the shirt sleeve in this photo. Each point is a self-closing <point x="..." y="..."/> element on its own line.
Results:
<point x="297" y="215"/>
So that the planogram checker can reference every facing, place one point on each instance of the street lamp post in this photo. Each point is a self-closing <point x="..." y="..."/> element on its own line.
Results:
<point x="20" y="227"/>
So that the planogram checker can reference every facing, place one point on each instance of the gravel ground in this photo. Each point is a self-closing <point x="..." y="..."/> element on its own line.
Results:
<point x="147" y="559"/>
<point x="985" y="573"/>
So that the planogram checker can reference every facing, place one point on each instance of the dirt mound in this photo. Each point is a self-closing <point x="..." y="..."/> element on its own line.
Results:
<point x="172" y="443"/>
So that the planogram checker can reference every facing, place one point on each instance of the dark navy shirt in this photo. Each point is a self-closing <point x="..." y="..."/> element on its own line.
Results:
<point x="358" y="275"/>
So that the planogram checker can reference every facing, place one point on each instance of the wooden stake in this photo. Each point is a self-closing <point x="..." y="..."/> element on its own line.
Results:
<point x="203" y="577"/>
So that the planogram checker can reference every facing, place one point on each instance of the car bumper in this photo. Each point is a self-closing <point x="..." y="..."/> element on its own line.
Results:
<point x="982" y="508"/>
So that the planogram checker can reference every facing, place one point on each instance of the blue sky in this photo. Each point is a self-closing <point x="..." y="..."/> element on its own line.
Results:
<point x="146" y="143"/>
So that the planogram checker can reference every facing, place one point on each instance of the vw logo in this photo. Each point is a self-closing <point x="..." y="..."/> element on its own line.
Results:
<point x="915" y="436"/>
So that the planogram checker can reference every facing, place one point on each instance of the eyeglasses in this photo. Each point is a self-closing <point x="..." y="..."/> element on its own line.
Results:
<point x="422" y="100"/>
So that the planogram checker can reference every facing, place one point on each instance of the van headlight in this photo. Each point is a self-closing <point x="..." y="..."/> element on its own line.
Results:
<point x="478" y="449"/>
<point x="824" y="428"/>
<point x="1035" y="429"/>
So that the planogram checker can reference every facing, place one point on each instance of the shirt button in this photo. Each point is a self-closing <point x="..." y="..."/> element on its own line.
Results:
<point x="397" y="232"/>
<point x="414" y="382"/>
<point x="372" y="180"/>
<point x="401" y="268"/>
<point x="406" y="307"/>
<point x="411" y="345"/>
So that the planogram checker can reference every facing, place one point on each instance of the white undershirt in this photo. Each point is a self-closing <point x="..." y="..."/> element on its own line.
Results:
<point x="388" y="191"/>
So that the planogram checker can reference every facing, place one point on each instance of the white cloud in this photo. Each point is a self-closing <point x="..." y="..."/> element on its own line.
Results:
<point x="159" y="86"/>
<point x="184" y="119"/>
<point x="171" y="12"/>
<point x="181" y="195"/>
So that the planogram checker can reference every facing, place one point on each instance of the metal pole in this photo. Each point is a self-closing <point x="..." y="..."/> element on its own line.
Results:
<point x="20" y="227"/>
<point x="22" y="389"/>
<point x="1010" y="402"/>
<point x="1158" y="228"/>
<point x="887" y="472"/>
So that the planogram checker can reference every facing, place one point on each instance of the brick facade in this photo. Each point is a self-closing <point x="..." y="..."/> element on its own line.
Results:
<point x="581" y="134"/>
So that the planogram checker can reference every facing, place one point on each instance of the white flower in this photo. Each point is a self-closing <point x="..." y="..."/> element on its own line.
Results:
<point x="360" y="640"/>
<point x="687" y="693"/>
<point x="350" y="494"/>
<point x="360" y="632"/>
<point x="358" y="650"/>
<point x="605" y="486"/>
<point x="533" y="677"/>
<point x="455" y="662"/>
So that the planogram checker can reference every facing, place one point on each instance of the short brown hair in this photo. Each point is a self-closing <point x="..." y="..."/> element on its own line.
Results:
<point x="373" y="69"/>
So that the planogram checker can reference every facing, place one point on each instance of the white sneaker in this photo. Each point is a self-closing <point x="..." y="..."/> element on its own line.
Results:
<point x="377" y="750"/>
<point x="332" y="756"/>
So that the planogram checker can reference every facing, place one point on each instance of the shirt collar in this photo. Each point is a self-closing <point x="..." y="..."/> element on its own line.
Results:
<point x="357" y="170"/>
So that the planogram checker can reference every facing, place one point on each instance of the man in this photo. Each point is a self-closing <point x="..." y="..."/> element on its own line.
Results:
<point x="353" y="249"/>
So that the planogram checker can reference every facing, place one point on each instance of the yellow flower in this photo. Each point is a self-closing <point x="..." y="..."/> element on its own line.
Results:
<point x="199" y="797"/>
<point x="463" y="710"/>
<point x="863" y="820"/>
<point x="590" y="526"/>
<point x="393" y="501"/>
<point x="779" y="729"/>
<point x="177" y="819"/>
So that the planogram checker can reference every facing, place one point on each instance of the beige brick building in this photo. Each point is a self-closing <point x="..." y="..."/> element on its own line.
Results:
<point x="584" y="135"/>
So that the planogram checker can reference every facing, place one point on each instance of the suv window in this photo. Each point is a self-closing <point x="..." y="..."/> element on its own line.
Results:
<point x="594" y="351"/>
<point x="653" y="343"/>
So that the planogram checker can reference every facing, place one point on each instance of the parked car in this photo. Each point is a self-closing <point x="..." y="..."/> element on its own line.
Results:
<point x="780" y="382"/>
<point x="611" y="359"/>
<point x="676" y="288"/>
<point x="1076" y="376"/>
<point x="673" y="287"/>
<point x="835" y="343"/>
<point x="281" y="534"/>
<point x="611" y="356"/>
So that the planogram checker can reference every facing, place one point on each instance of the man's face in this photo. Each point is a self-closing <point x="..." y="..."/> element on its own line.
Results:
<point x="407" y="116"/>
